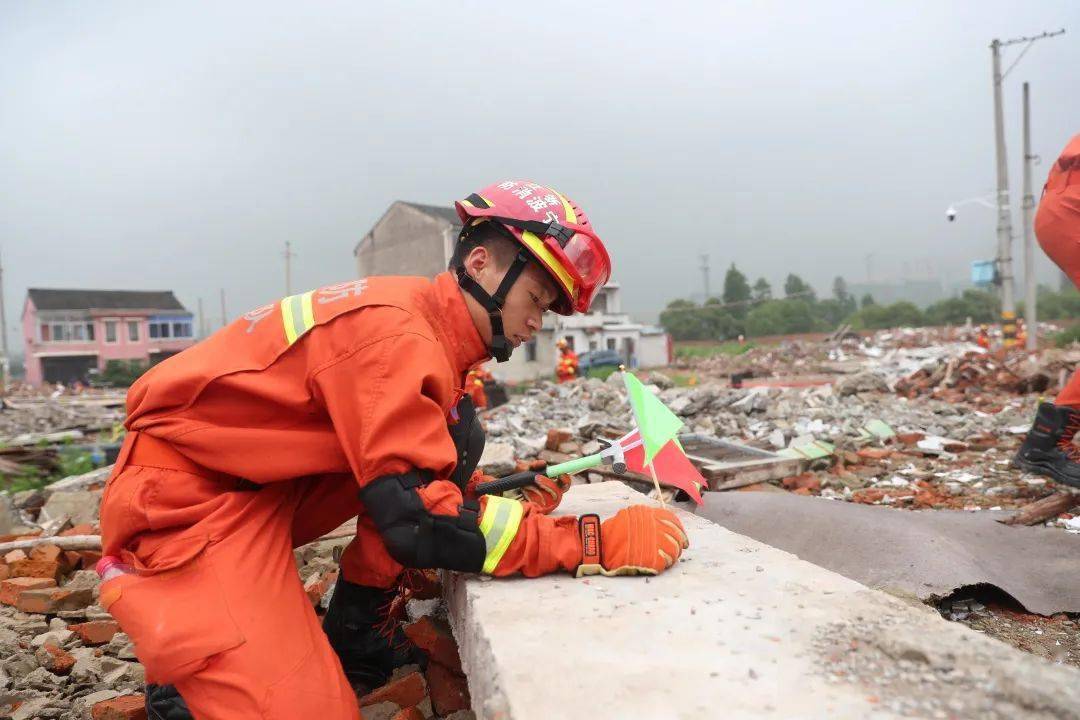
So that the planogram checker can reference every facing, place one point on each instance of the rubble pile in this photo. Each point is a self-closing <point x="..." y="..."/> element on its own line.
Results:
<point x="977" y="377"/>
<point x="27" y="417"/>
<point x="63" y="656"/>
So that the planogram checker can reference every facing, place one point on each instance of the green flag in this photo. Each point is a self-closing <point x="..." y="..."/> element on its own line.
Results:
<point x="657" y="424"/>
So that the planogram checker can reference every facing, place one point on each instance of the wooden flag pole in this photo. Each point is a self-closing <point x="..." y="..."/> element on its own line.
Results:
<point x="659" y="493"/>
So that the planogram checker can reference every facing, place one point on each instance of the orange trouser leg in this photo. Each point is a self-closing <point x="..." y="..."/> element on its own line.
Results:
<point x="1057" y="226"/>
<point x="326" y="503"/>
<point x="1070" y="394"/>
<point x="219" y="610"/>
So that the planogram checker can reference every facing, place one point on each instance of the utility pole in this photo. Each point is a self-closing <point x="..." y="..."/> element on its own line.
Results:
<point x="202" y="321"/>
<point x="1029" y="244"/>
<point x="289" y="255"/>
<point x="705" y="273"/>
<point x="224" y="316"/>
<point x="5" y="356"/>
<point x="1004" y="224"/>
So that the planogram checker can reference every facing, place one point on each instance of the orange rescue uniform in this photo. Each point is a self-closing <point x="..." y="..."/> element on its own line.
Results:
<point x="1057" y="227"/>
<point x="258" y="440"/>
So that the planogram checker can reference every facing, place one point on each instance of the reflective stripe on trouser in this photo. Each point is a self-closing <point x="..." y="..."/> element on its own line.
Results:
<point x="297" y="315"/>
<point x="499" y="525"/>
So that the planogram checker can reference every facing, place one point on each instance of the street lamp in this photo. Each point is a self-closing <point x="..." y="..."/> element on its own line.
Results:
<point x="985" y="201"/>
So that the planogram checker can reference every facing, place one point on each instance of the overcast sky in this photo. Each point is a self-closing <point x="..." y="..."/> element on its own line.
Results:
<point x="179" y="145"/>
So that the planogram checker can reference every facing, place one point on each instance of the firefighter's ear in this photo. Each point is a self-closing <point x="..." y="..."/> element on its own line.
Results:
<point x="479" y="264"/>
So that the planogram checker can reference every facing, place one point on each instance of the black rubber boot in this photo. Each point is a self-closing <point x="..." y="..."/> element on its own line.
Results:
<point x="354" y="624"/>
<point x="163" y="702"/>
<point x="1048" y="448"/>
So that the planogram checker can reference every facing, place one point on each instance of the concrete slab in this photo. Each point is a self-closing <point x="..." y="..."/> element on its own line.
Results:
<point x="926" y="554"/>
<point x="738" y="629"/>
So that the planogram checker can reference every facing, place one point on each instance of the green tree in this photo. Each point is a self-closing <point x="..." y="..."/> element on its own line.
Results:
<point x="881" y="317"/>
<point x="682" y="321"/>
<point x="980" y="306"/>
<point x="762" y="290"/>
<point x="843" y="296"/>
<point x="795" y="286"/>
<point x="736" y="287"/>
<point x="685" y="320"/>
<point x="867" y="301"/>
<point x="831" y="312"/>
<point x="1063" y="305"/>
<point x="780" y="317"/>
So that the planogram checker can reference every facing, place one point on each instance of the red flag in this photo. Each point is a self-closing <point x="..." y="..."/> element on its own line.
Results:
<point x="671" y="465"/>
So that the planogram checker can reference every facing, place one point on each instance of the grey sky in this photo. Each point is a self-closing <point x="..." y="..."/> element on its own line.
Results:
<point x="179" y="145"/>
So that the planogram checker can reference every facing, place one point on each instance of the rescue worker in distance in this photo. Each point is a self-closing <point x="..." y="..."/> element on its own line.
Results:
<point x="345" y="402"/>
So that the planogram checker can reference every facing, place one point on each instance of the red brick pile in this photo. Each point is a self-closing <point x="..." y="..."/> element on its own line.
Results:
<point x="414" y="694"/>
<point x="975" y="378"/>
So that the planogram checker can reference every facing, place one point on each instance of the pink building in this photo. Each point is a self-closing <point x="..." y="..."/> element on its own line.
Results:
<point x="66" y="333"/>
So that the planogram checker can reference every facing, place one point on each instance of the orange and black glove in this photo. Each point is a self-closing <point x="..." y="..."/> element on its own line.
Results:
<point x="638" y="540"/>
<point x="469" y="491"/>
<point x="546" y="493"/>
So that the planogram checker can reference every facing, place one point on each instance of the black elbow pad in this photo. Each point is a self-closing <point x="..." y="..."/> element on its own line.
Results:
<point x="416" y="538"/>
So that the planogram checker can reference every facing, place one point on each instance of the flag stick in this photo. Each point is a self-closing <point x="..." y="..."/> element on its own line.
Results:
<point x="659" y="493"/>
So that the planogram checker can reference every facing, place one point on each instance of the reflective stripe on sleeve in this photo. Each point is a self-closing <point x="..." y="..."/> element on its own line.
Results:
<point x="499" y="525"/>
<point x="297" y="315"/>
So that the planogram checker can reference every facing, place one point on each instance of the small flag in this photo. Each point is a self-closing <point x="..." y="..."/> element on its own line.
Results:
<point x="671" y="465"/>
<point x="658" y="425"/>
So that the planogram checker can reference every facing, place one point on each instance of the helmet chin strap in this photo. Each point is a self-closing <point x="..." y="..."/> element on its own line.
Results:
<point x="500" y="346"/>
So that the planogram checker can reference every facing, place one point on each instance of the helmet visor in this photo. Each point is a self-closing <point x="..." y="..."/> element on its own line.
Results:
<point x="590" y="264"/>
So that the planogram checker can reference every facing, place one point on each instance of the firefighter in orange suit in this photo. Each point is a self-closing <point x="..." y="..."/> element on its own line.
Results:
<point x="337" y="403"/>
<point x="567" y="367"/>
<point x="474" y="384"/>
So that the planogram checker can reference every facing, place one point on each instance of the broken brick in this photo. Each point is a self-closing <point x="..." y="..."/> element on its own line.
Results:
<point x="14" y="556"/>
<point x="12" y="588"/>
<point x="96" y="632"/>
<point x="46" y="553"/>
<point x="436" y="640"/>
<point x="404" y="692"/>
<point x="71" y="560"/>
<point x="35" y="569"/>
<point x="910" y="438"/>
<point x="556" y="437"/>
<point x="54" y="659"/>
<point x="49" y="601"/>
<point x="81" y="529"/>
<point x="127" y="707"/>
<point x="807" y="483"/>
<point x="449" y="691"/>
<point x="90" y="558"/>
<point x="317" y="587"/>
<point x="410" y="713"/>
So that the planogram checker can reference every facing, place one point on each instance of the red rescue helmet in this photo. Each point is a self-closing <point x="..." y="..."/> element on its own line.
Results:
<point x="555" y="231"/>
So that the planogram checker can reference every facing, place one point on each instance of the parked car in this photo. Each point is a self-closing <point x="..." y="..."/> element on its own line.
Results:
<point x="599" y="358"/>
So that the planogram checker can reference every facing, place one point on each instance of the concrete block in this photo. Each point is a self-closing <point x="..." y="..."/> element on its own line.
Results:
<point x="737" y="627"/>
<point x="80" y="506"/>
<point x="498" y="459"/>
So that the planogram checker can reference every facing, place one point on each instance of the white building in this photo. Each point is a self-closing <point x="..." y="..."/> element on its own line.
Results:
<point x="415" y="239"/>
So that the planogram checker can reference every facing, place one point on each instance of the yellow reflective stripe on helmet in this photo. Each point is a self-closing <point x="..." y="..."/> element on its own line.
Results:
<point x="499" y="525"/>
<point x="542" y="252"/>
<point x="297" y="315"/>
<point x="571" y="216"/>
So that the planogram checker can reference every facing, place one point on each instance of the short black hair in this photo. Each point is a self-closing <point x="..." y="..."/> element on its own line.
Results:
<point x="487" y="235"/>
